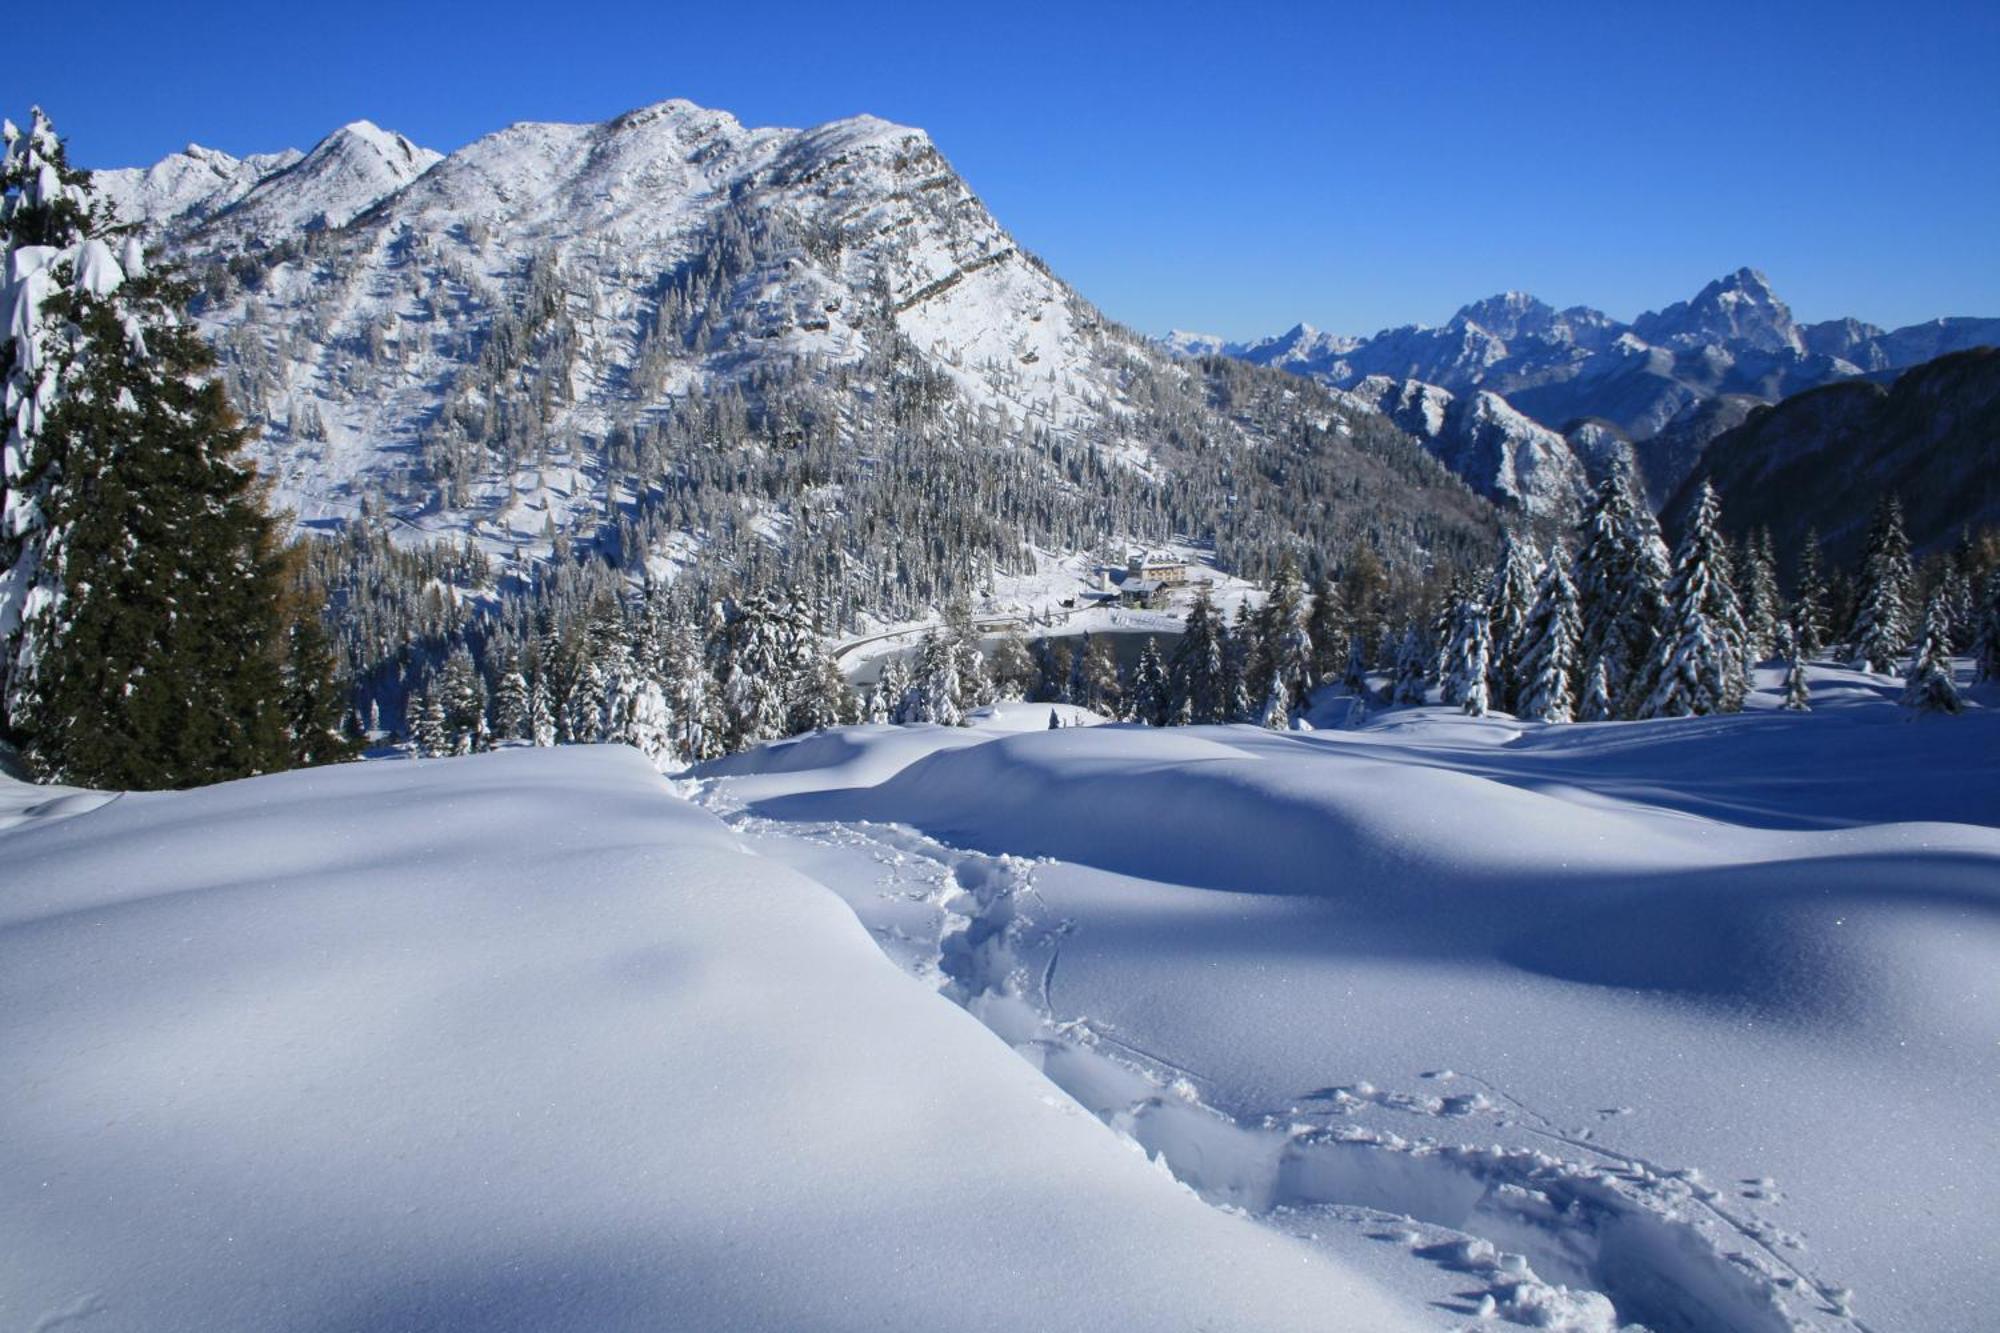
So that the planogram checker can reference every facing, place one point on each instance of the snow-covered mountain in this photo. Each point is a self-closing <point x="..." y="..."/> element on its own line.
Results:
<point x="560" y="329"/>
<point x="1657" y="389"/>
<point x="1500" y="452"/>
<point x="188" y="185"/>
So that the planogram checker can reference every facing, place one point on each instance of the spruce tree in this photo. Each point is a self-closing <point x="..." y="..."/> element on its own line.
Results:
<point x="1283" y="671"/>
<point x="1798" y="693"/>
<point x="317" y="717"/>
<point x="1238" y="651"/>
<point x="463" y="699"/>
<point x="1095" y="677"/>
<point x="1508" y="600"/>
<point x="1412" y="660"/>
<point x="1698" y="663"/>
<point x="1986" y="637"/>
<point x="1621" y="575"/>
<point x="1196" y="681"/>
<point x="1149" y="692"/>
<point x="1763" y="611"/>
<point x="892" y="688"/>
<point x="510" y="704"/>
<point x="1469" y="682"/>
<point x="1928" y="685"/>
<point x="1013" y="668"/>
<point x="1598" y="704"/>
<point x="1552" y="631"/>
<point x="934" y="685"/>
<point x="1354" y="674"/>
<point x="1882" y="625"/>
<point x="1810" y="623"/>
<point x="428" y="735"/>
<point x="1327" y="627"/>
<point x="143" y="636"/>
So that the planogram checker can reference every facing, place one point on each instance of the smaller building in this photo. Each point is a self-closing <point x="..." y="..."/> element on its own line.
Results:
<point x="1138" y="592"/>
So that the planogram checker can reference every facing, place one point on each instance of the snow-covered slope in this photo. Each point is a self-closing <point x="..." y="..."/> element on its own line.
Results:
<point x="190" y="184"/>
<point x="345" y="174"/>
<point x="557" y="328"/>
<point x="524" y="1042"/>
<point x="1699" y="1016"/>
<point x="1500" y="452"/>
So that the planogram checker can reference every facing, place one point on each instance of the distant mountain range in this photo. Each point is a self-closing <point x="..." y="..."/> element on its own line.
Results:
<point x="1526" y="401"/>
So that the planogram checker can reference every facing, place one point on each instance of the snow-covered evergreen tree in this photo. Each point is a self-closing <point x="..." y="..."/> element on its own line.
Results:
<point x="1095" y="683"/>
<point x="1928" y="685"/>
<point x="1798" y="692"/>
<point x="756" y="661"/>
<point x="428" y="733"/>
<point x="541" y="718"/>
<point x="1986" y="637"/>
<point x="1327" y="625"/>
<point x="934" y="685"/>
<point x="462" y="697"/>
<point x="1621" y="576"/>
<point x="1239" y="649"/>
<point x="1195" y="680"/>
<point x="1469" y="659"/>
<point x="1412" y="663"/>
<point x="1508" y="601"/>
<point x="1552" y="633"/>
<point x="1763" y="610"/>
<point x="692" y="695"/>
<point x="892" y="689"/>
<point x="1471" y="679"/>
<point x="1013" y="668"/>
<point x="1149" y="694"/>
<point x="1354" y="675"/>
<point x="510" y="703"/>
<point x="1882" y="626"/>
<point x="1597" y="705"/>
<point x="1810" y="620"/>
<point x="1698" y="665"/>
<point x="1284" y="668"/>
<point x="143" y="626"/>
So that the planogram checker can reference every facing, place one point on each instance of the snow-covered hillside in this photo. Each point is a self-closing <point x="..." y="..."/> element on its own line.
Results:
<point x="1686" y="1025"/>
<point x="1696" y="1016"/>
<point x="524" y="1042"/>
<point x="563" y="330"/>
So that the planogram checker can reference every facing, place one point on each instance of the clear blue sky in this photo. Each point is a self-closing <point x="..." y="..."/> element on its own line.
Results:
<point x="1231" y="169"/>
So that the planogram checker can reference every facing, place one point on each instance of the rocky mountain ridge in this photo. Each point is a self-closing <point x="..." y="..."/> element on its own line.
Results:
<point x="671" y="337"/>
<point x="1662" y="386"/>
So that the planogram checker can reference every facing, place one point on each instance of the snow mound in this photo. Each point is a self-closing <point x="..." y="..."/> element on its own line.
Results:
<point x="1581" y="995"/>
<point x="523" y="1042"/>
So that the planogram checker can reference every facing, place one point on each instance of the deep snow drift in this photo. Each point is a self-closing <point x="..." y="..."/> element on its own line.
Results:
<point x="1691" y="1024"/>
<point x="523" y="1041"/>
<point x="1699" y="1016"/>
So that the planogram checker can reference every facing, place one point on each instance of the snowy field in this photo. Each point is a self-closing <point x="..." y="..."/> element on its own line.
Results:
<point x="1700" y="1016"/>
<point x="1433" y="1023"/>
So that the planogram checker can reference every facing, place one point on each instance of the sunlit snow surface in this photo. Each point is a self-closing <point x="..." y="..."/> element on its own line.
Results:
<point x="1701" y="1015"/>
<point x="1446" y="1022"/>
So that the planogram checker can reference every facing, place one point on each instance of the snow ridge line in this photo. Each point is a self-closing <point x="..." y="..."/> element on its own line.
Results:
<point x="1623" y="1243"/>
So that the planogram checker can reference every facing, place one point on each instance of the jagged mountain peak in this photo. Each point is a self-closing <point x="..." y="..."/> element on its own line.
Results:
<point x="1739" y="308"/>
<point x="343" y="175"/>
<point x="1507" y="314"/>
